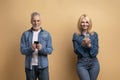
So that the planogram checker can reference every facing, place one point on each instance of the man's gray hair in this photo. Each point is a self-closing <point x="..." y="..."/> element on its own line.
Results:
<point x="34" y="14"/>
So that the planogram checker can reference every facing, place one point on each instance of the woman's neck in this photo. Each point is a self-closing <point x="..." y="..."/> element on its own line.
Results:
<point x="84" y="31"/>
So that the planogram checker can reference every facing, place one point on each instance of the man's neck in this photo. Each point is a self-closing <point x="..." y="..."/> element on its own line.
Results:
<point x="36" y="30"/>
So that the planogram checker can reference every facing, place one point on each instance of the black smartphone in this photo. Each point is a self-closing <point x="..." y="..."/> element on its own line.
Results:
<point x="36" y="42"/>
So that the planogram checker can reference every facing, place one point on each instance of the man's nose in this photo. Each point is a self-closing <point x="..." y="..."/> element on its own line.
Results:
<point x="35" y="22"/>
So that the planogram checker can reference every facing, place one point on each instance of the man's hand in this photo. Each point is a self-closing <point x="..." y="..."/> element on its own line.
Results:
<point x="33" y="47"/>
<point x="39" y="46"/>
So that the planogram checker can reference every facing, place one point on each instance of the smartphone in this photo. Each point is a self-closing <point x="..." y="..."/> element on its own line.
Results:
<point x="87" y="36"/>
<point x="36" y="42"/>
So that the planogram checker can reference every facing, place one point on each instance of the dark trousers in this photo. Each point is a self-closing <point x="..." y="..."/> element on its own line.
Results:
<point x="37" y="74"/>
<point x="88" y="68"/>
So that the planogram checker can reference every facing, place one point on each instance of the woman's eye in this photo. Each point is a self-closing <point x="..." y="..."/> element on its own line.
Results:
<point x="82" y="22"/>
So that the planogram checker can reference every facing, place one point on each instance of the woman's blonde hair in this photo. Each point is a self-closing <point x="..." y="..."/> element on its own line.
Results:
<point x="80" y="20"/>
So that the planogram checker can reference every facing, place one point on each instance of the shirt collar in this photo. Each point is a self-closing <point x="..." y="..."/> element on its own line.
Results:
<point x="83" y="34"/>
<point x="40" y="29"/>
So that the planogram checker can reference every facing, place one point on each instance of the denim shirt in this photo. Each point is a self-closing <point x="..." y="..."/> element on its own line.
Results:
<point x="85" y="51"/>
<point x="44" y="38"/>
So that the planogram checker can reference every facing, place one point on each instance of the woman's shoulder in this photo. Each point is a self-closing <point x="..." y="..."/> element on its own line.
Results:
<point x="93" y="33"/>
<point x="76" y="33"/>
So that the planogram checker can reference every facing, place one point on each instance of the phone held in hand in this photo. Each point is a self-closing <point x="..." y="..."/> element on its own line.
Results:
<point x="36" y="42"/>
<point x="86" y="36"/>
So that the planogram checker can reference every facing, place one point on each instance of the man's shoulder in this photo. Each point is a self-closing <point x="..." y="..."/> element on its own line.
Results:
<point x="45" y="31"/>
<point x="27" y="32"/>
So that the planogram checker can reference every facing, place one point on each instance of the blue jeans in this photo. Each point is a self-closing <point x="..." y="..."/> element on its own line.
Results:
<point x="88" y="68"/>
<point x="41" y="74"/>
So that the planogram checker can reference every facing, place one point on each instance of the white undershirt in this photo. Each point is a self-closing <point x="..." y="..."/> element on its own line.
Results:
<point x="35" y="53"/>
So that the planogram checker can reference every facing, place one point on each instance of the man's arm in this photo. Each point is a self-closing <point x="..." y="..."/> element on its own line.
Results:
<point x="48" y="47"/>
<point x="24" y="47"/>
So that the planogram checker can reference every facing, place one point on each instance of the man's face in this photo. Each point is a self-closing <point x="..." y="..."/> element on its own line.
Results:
<point x="36" y="22"/>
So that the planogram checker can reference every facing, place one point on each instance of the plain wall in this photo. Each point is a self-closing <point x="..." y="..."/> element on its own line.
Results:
<point x="59" y="17"/>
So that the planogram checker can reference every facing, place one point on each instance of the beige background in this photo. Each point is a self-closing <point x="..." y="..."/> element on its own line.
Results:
<point x="60" y="18"/>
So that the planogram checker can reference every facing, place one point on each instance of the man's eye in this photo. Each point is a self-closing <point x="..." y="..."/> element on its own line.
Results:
<point x="38" y="20"/>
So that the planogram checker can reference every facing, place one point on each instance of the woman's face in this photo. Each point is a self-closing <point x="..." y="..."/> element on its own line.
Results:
<point x="85" y="24"/>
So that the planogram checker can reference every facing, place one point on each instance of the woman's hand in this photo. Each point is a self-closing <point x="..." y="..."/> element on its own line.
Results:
<point x="86" y="42"/>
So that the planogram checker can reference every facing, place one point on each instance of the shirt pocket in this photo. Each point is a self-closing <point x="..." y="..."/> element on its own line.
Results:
<point x="43" y="41"/>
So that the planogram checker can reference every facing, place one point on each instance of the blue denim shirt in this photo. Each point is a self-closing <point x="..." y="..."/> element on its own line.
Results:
<point x="44" y="38"/>
<point x="84" y="52"/>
